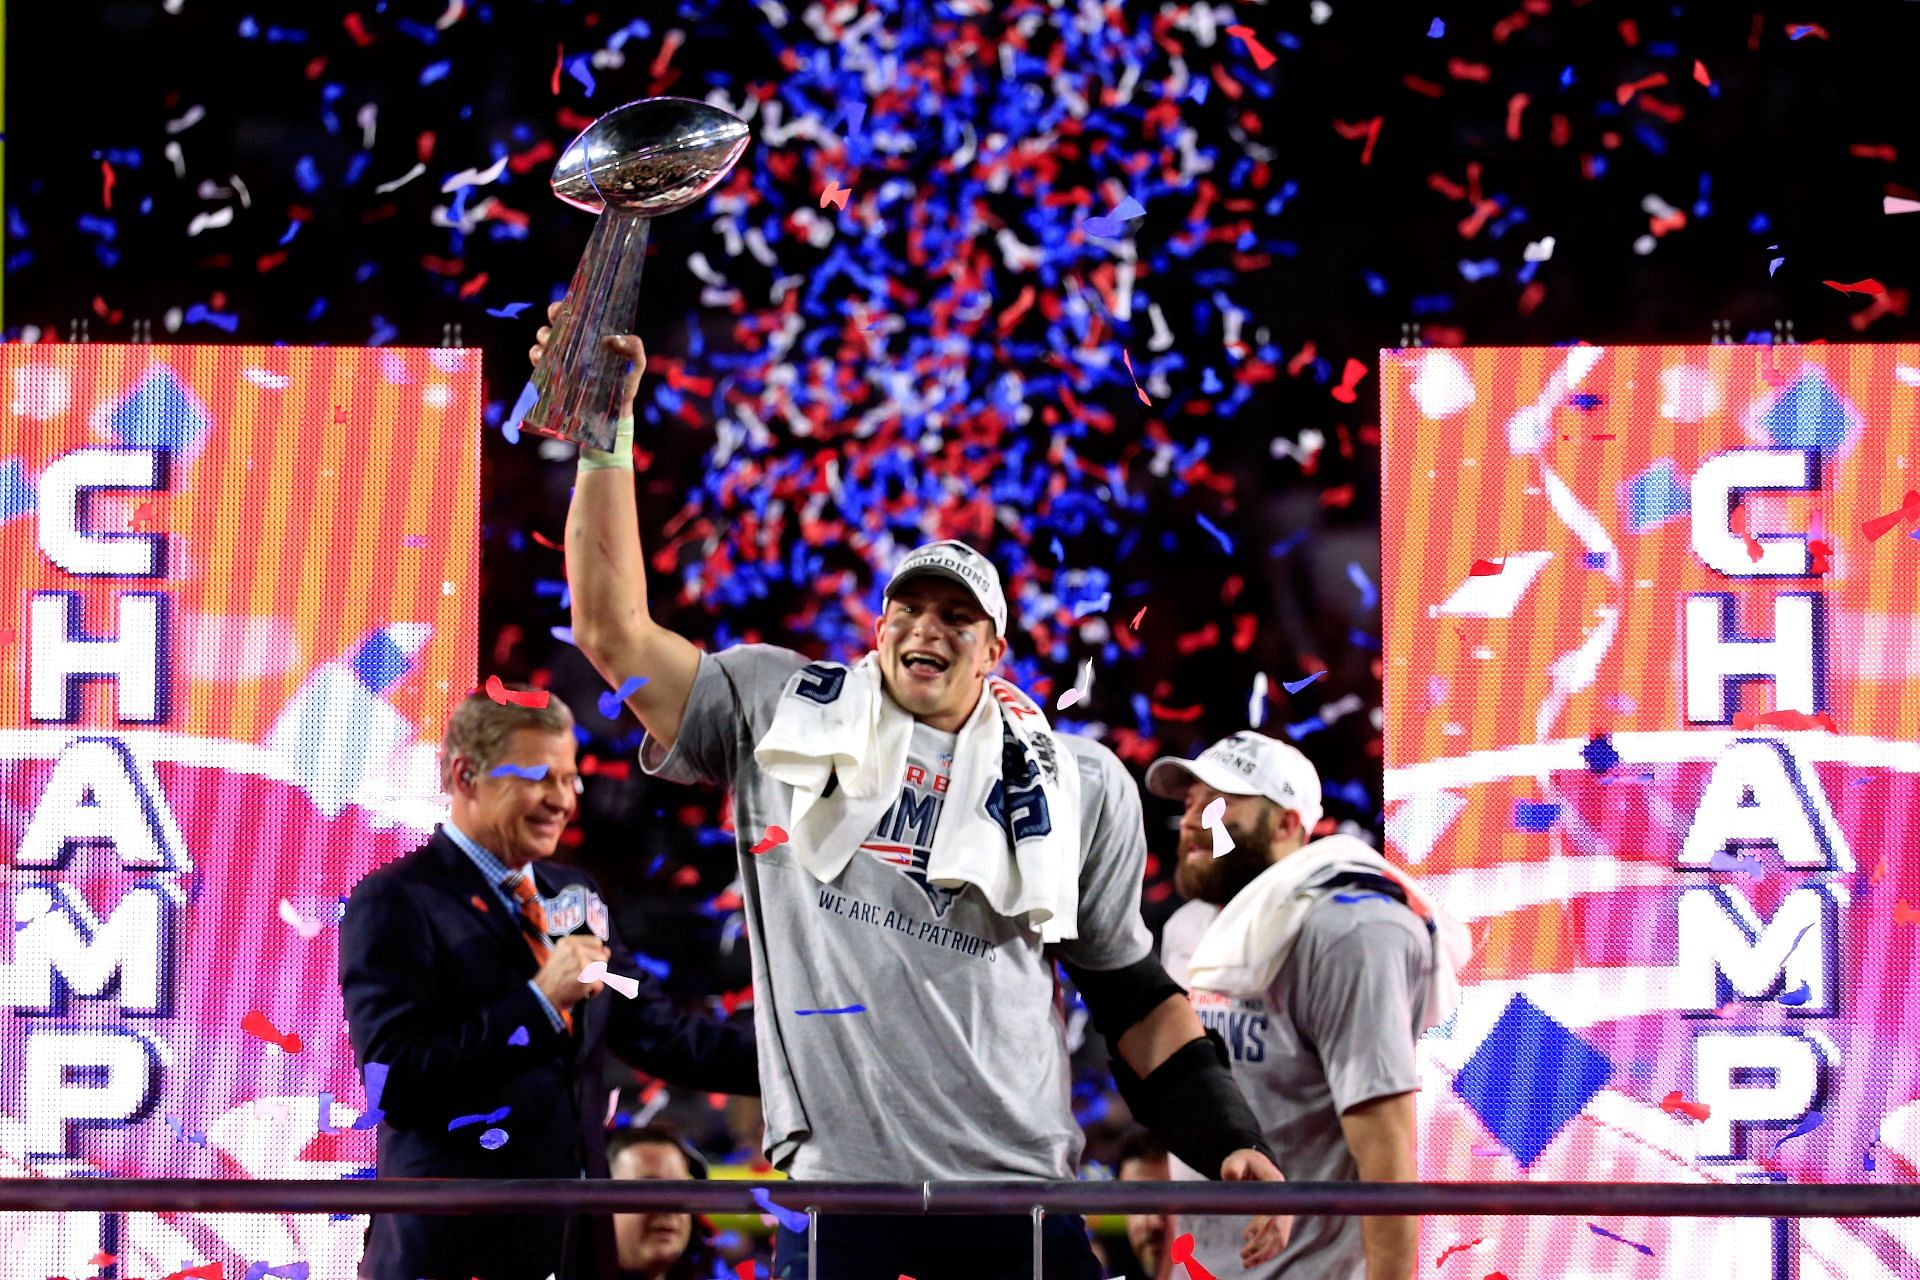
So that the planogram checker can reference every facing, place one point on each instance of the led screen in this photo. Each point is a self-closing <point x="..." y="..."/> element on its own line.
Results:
<point x="237" y="602"/>
<point x="1652" y="696"/>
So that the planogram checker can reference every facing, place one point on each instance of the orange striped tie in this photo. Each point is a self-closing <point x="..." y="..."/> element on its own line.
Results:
<point x="533" y="924"/>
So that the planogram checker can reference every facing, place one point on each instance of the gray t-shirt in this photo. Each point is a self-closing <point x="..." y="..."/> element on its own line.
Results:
<point x="958" y="1066"/>
<point x="1336" y="1028"/>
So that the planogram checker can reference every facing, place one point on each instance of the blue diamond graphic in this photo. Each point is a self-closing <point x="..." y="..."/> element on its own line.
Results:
<point x="162" y="413"/>
<point x="1809" y="414"/>
<point x="1535" y="815"/>
<point x="1653" y="497"/>
<point x="1529" y="1078"/>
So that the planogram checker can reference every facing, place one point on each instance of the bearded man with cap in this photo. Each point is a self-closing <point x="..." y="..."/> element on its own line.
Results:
<point x="916" y="848"/>
<point x="1320" y="964"/>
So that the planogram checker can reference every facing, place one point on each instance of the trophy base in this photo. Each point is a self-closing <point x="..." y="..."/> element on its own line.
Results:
<point x="579" y="380"/>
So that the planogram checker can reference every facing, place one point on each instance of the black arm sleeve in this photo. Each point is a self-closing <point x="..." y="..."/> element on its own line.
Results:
<point x="1189" y="1100"/>
<point x="1118" y="998"/>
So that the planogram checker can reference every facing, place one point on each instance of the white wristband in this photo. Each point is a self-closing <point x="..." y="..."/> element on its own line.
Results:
<point x="620" y="458"/>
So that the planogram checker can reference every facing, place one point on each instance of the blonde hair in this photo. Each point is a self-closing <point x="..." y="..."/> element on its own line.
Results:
<point x="479" y="729"/>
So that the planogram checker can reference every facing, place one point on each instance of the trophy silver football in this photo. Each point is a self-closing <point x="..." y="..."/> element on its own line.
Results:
<point x="636" y="162"/>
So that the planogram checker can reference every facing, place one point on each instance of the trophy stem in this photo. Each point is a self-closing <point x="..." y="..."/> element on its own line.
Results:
<point x="579" y="379"/>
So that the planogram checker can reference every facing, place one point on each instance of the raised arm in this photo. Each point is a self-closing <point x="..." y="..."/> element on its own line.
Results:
<point x="607" y="573"/>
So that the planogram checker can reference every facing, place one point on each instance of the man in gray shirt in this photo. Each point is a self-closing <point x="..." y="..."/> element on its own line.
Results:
<point x="1320" y="983"/>
<point x="909" y="1029"/>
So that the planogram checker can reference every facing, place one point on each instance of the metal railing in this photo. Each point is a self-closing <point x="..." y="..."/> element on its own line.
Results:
<point x="561" y="1195"/>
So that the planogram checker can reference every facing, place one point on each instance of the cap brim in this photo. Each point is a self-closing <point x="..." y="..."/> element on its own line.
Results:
<point x="1170" y="776"/>
<point x="936" y="571"/>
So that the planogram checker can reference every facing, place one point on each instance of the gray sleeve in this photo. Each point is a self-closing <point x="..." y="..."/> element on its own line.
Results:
<point x="1356" y="997"/>
<point x="734" y="692"/>
<point x="1113" y="858"/>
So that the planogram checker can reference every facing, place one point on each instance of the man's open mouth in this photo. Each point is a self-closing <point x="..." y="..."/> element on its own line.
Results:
<point x="923" y="662"/>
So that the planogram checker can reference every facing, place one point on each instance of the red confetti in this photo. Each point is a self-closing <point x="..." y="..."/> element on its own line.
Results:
<point x="102" y="1259"/>
<point x="106" y="183"/>
<point x="1738" y="523"/>
<point x="1458" y="1248"/>
<point x="1355" y="370"/>
<point x="546" y="542"/>
<point x="775" y="837"/>
<point x="835" y="196"/>
<point x="1909" y="510"/>
<point x="1486" y="568"/>
<point x="1676" y="1104"/>
<point x="1866" y="151"/>
<point x="1822" y="556"/>
<point x="1128" y="361"/>
<point x="1263" y="57"/>
<point x="559" y="61"/>
<point x="514" y="697"/>
<point x="357" y="28"/>
<point x="1904" y="914"/>
<point x="1183" y="1256"/>
<point x="256" y="1024"/>
<point x="1700" y="73"/>
<point x="1868" y="286"/>
<point x="1626" y="91"/>
<point x="1515" y="106"/>
<point x="1135" y="624"/>
<point x="1784" y="720"/>
<point x="1371" y="128"/>
<point x="1800" y="30"/>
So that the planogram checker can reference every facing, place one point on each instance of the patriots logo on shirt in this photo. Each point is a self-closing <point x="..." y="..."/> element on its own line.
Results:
<point x="912" y="863"/>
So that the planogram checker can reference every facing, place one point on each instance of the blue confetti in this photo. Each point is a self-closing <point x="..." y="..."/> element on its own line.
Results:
<point x="1369" y="594"/>
<point x="531" y="772"/>
<point x="1295" y="686"/>
<point x="494" y="1139"/>
<point x="791" y="1219"/>
<point x="610" y="703"/>
<point x="1436" y="30"/>
<point x="1226" y="543"/>
<point x="808" y="1013"/>
<point x="1360" y="897"/>
<point x="490" y="1117"/>
<point x="1599" y="1231"/>
<point x="519" y="1038"/>
<point x="509" y="312"/>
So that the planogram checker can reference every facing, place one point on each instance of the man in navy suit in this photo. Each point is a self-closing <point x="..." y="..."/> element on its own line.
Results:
<point x="461" y="966"/>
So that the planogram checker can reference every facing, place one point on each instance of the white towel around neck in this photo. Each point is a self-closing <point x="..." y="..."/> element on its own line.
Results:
<point x="1246" y="944"/>
<point x="859" y="735"/>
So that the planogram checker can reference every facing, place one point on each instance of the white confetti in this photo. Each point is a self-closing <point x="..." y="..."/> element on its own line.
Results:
<point x="475" y="177"/>
<point x="402" y="180"/>
<point x="208" y="221"/>
<point x="1210" y="820"/>
<point x="192" y="116"/>
<point x="308" y="929"/>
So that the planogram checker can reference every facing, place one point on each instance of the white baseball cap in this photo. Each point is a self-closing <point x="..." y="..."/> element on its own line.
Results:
<point x="1245" y="764"/>
<point x="957" y="562"/>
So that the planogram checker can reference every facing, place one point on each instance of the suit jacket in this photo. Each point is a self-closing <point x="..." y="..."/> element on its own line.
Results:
<point x="434" y="971"/>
